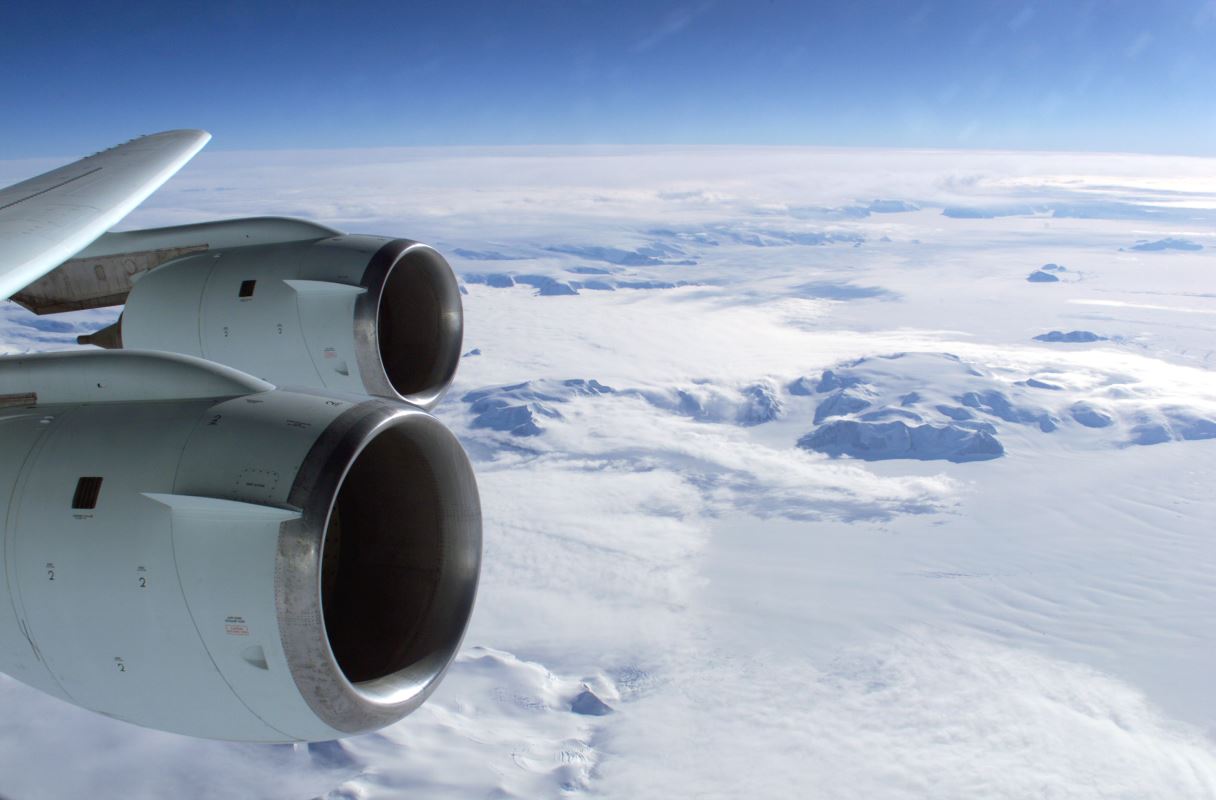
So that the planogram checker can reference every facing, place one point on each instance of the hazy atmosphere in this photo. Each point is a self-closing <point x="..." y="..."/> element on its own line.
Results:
<point x="838" y="380"/>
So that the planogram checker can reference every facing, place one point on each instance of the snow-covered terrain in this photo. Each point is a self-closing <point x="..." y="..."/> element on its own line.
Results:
<point x="798" y="479"/>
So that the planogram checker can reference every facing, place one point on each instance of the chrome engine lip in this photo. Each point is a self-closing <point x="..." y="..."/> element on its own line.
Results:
<point x="367" y="324"/>
<point x="342" y="705"/>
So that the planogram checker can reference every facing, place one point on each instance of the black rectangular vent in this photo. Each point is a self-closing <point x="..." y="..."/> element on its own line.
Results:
<point x="87" y="490"/>
<point x="247" y="289"/>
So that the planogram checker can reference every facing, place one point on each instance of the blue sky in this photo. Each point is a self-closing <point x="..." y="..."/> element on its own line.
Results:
<point x="1052" y="75"/>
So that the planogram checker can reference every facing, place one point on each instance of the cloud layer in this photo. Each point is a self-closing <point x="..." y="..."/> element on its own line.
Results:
<point x="651" y="334"/>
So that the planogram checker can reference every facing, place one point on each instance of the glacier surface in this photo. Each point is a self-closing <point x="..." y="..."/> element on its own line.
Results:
<point x="782" y="496"/>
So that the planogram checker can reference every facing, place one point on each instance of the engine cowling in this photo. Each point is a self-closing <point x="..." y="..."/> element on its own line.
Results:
<point x="352" y="313"/>
<point x="192" y="549"/>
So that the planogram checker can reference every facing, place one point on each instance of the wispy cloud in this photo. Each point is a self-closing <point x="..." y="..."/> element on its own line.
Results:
<point x="671" y="24"/>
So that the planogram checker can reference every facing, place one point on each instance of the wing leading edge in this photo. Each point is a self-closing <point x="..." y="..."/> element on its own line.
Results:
<point x="46" y="220"/>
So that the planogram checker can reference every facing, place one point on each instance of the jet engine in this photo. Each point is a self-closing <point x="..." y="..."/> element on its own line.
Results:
<point x="189" y="547"/>
<point x="251" y="563"/>
<point x="354" y="313"/>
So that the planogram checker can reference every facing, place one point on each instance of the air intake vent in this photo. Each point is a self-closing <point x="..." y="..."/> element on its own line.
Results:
<point x="87" y="490"/>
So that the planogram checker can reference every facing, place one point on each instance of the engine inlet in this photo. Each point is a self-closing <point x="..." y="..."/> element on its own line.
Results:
<point x="416" y="321"/>
<point x="395" y="540"/>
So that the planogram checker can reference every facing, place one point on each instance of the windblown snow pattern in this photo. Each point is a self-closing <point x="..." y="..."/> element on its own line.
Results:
<point x="795" y="485"/>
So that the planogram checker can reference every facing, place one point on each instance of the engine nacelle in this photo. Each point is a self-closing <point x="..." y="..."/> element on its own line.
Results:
<point x="352" y="313"/>
<point x="191" y="549"/>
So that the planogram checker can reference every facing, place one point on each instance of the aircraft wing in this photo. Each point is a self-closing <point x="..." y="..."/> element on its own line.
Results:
<point x="46" y="220"/>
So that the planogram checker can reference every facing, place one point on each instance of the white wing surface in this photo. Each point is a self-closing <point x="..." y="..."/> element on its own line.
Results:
<point x="46" y="220"/>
